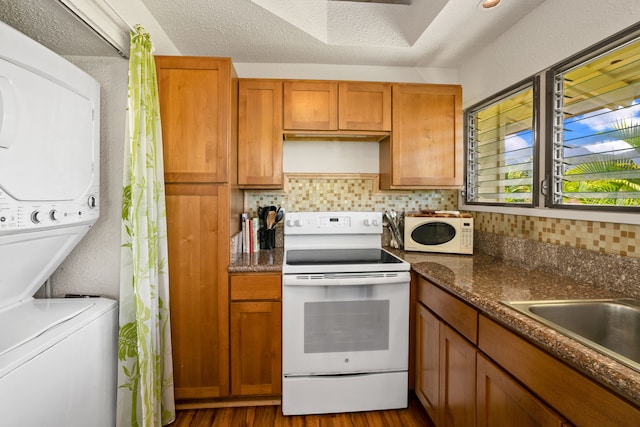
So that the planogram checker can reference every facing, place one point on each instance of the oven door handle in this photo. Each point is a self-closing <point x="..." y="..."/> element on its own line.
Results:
<point x="346" y="279"/>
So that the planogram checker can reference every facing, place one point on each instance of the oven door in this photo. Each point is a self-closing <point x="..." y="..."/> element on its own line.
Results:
<point x="345" y="323"/>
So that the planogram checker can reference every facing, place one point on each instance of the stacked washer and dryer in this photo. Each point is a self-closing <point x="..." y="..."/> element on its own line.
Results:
<point x="57" y="356"/>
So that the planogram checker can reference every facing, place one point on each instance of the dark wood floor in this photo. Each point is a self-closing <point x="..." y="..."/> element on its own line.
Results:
<point x="271" y="416"/>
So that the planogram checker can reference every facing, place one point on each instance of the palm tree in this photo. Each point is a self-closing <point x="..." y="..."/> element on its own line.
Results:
<point x="610" y="175"/>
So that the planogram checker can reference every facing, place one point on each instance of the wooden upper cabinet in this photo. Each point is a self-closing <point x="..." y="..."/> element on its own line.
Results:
<point x="310" y="105"/>
<point x="337" y="106"/>
<point x="425" y="150"/>
<point x="195" y="108"/>
<point x="260" y="134"/>
<point x="364" y="106"/>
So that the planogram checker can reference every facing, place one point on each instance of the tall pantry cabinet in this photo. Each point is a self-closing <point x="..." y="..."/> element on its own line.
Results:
<point x="198" y="104"/>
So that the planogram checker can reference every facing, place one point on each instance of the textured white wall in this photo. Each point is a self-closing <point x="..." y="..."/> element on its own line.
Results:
<point x="552" y="32"/>
<point x="94" y="265"/>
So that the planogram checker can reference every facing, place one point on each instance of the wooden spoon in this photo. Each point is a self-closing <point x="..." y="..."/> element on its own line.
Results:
<point x="271" y="219"/>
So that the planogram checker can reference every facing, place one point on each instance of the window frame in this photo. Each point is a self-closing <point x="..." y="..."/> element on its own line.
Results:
<point x="601" y="48"/>
<point x="534" y="83"/>
<point x="612" y="214"/>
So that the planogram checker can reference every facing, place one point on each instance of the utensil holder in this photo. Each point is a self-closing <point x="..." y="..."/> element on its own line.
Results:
<point x="267" y="238"/>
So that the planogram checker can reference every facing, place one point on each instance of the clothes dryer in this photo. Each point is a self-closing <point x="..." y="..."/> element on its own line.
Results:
<point x="57" y="356"/>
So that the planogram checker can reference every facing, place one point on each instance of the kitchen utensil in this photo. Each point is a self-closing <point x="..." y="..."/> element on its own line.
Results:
<point x="279" y="214"/>
<point x="396" y="235"/>
<point x="271" y="219"/>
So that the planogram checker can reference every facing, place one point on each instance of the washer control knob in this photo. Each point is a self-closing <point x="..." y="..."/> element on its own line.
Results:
<point x="36" y="217"/>
<point x="54" y="215"/>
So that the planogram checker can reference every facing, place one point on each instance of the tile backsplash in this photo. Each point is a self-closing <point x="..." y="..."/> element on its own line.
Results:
<point x="312" y="192"/>
<point x="602" y="237"/>
<point x="344" y="192"/>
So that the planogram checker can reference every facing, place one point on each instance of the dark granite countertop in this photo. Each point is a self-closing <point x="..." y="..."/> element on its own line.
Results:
<point x="263" y="261"/>
<point x="484" y="282"/>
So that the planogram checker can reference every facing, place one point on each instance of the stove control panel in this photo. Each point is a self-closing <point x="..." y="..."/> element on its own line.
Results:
<point x="333" y="223"/>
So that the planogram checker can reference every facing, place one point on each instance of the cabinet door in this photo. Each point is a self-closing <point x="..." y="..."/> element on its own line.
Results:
<point x="504" y="402"/>
<point x="195" y="112"/>
<point x="260" y="134"/>
<point x="310" y="105"/>
<point x="364" y="106"/>
<point x="457" y="379"/>
<point x="428" y="361"/>
<point x="256" y="348"/>
<point x="198" y="237"/>
<point x="425" y="150"/>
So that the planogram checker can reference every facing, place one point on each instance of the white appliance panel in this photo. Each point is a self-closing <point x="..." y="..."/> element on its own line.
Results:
<point x="46" y="149"/>
<point x="31" y="320"/>
<point x="49" y="138"/>
<point x="67" y="375"/>
<point x="28" y="259"/>
<point x="344" y="393"/>
<point x="302" y="357"/>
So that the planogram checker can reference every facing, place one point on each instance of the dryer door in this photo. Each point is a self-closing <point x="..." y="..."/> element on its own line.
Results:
<point x="47" y="137"/>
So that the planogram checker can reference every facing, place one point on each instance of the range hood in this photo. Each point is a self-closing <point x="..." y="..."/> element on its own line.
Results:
<point x="308" y="135"/>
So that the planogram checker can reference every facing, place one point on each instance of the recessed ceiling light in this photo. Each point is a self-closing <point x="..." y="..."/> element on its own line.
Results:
<point x="488" y="4"/>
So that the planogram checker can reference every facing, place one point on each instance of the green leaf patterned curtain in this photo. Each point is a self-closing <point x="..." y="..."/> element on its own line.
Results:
<point x="145" y="375"/>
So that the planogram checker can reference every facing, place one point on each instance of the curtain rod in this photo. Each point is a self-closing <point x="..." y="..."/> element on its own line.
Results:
<point x="124" y="20"/>
<point x="91" y="25"/>
<point x="113" y="9"/>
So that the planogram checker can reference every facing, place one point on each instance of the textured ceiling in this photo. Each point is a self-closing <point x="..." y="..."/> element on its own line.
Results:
<point x="434" y="33"/>
<point x="247" y="32"/>
<point x="333" y="22"/>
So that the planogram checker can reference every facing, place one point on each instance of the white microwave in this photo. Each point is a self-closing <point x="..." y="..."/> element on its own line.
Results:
<point x="438" y="234"/>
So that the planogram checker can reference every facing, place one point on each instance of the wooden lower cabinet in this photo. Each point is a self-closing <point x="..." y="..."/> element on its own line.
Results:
<point x="445" y="372"/>
<point x="472" y="371"/>
<point x="502" y="401"/>
<point x="427" y="376"/>
<point x="255" y="330"/>
<point x="198" y="241"/>
<point x="457" y="379"/>
<point x="579" y="399"/>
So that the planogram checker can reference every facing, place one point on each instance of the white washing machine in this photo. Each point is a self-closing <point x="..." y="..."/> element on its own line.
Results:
<point x="57" y="356"/>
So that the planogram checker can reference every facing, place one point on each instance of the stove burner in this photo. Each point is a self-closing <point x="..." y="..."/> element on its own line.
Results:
<point x="340" y="257"/>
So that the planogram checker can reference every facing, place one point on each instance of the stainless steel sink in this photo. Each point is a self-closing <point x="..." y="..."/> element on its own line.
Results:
<point x="611" y="326"/>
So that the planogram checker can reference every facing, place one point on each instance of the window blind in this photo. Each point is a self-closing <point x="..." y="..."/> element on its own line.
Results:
<point x="500" y="148"/>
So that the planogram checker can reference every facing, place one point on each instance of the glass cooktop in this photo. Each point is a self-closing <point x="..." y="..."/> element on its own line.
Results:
<point x="340" y="256"/>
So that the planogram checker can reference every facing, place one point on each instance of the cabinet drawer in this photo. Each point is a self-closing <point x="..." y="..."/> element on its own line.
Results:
<point x="456" y="313"/>
<point x="256" y="286"/>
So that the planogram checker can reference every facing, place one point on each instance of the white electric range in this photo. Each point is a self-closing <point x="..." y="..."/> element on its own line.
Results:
<point x="345" y="315"/>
